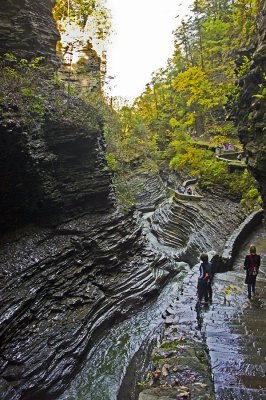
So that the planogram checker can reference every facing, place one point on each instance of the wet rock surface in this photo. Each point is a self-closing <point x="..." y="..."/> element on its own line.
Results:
<point x="53" y="171"/>
<point x="63" y="286"/>
<point x="234" y="330"/>
<point x="227" y="334"/>
<point x="60" y="289"/>
<point x="182" y="359"/>
<point x="150" y="191"/>
<point x="192" y="226"/>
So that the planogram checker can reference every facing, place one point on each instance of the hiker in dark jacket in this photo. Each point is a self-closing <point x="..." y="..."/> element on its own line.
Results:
<point x="205" y="279"/>
<point x="251" y="265"/>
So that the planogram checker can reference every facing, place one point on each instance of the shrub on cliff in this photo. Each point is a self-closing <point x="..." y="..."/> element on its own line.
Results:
<point x="252" y="200"/>
<point x="19" y="79"/>
<point x="32" y="93"/>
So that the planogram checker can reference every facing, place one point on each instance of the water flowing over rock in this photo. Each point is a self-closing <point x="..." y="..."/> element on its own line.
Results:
<point x="252" y="104"/>
<point x="61" y="288"/>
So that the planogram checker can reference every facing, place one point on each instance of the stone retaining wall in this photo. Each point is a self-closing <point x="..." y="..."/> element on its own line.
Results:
<point x="184" y="196"/>
<point x="232" y="245"/>
<point x="229" y="156"/>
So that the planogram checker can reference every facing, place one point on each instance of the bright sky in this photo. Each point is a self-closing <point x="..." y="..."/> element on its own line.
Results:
<point x="142" y="42"/>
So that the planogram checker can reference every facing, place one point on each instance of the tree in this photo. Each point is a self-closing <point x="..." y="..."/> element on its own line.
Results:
<point x="82" y="12"/>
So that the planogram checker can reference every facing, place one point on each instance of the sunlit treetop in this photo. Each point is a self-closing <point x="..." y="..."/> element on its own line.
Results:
<point x="83" y="13"/>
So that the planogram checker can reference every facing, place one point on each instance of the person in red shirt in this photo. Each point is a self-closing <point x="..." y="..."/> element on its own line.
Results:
<point x="251" y="265"/>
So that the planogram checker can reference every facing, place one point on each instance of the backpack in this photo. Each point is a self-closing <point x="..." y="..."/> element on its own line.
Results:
<point x="253" y="268"/>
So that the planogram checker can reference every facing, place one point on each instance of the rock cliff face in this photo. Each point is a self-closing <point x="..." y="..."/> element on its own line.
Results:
<point x="75" y="265"/>
<point x="251" y="113"/>
<point x="51" y="167"/>
<point x="61" y="288"/>
<point x="27" y="28"/>
<point x="55" y="169"/>
<point x="85" y="75"/>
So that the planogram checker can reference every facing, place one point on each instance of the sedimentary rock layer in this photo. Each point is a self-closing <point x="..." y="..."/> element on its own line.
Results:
<point x="187" y="228"/>
<point x="61" y="288"/>
<point x="28" y="29"/>
<point x="252" y="105"/>
<point x="55" y="169"/>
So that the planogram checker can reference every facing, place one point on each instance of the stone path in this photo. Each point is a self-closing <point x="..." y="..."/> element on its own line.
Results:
<point x="233" y="329"/>
<point x="181" y="358"/>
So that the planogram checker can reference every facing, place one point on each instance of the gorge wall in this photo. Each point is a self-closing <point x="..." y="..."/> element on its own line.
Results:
<point x="27" y="29"/>
<point x="251" y="116"/>
<point x="53" y="166"/>
<point x="71" y="264"/>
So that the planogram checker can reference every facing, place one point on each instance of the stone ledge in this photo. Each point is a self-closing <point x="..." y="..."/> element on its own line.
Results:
<point x="231" y="246"/>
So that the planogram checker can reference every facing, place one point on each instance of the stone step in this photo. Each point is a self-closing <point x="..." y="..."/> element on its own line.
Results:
<point x="233" y="393"/>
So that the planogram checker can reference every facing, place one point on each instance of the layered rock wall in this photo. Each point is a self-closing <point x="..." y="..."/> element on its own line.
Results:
<point x="251" y="113"/>
<point x="55" y="169"/>
<point x="61" y="288"/>
<point x="51" y="166"/>
<point x="75" y="265"/>
<point x="28" y="29"/>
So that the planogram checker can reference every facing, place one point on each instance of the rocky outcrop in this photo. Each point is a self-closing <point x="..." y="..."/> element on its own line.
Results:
<point x="61" y="288"/>
<point x="85" y="74"/>
<point x="70" y="264"/>
<point x="54" y="168"/>
<point x="28" y="29"/>
<point x="186" y="228"/>
<point x="251" y="114"/>
<point x="53" y="160"/>
<point x="149" y="190"/>
<point x="235" y="241"/>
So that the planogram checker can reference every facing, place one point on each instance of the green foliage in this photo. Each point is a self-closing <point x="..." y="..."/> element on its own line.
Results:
<point x="214" y="174"/>
<point x="156" y="358"/>
<point x="112" y="162"/>
<point x="37" y="104"/>
<point x="252" y="200"/>
<point x="19" y="79"/>
<point x="244" y="67"/>
<point x="245" y="13"/>
<point x="191" y="93"/>
<point x="30" y="91"/>
<point x="84" y="13"/>
<point x="261" y="89"/>
<point x="190" y="96"/>
<point x="124" y="190"/>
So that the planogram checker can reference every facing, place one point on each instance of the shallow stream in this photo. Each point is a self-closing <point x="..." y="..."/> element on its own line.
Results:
<point x="229" y="324"/>
<point x="106" y="366"/>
